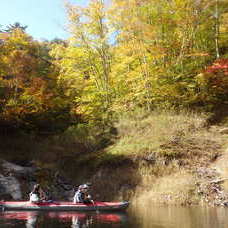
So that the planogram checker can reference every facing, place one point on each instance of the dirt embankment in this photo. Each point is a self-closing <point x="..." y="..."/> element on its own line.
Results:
<point x="204" y="184"/>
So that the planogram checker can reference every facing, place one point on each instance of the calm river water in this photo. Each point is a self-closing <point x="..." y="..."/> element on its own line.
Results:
<point x="145" y="217"/>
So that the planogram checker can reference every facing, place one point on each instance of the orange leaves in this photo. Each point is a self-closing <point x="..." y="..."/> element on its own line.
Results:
<point x="27" y="78"/>
<point x="220" y="65"/>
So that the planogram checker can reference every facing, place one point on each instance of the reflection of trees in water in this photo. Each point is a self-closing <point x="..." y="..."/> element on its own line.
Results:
<point x="155" y="216"/>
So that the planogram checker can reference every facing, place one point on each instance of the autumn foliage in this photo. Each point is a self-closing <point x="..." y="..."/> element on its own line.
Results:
<point x="120" y="56"/>
<point x="213" y="83"/>
<point x="28" y="82"/>
<point x="219" y="66"/>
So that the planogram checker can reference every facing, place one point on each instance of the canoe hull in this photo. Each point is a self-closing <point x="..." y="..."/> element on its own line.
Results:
<point x="64" y="206"/>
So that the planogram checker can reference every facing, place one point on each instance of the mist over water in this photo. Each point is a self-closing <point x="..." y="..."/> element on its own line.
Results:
<point x="136" y="217"/>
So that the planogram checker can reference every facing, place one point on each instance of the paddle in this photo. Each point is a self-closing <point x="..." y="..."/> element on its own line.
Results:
<point x="96" y="209"/>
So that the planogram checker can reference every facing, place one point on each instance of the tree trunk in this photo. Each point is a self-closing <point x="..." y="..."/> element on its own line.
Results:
<point x="217" y="30"/>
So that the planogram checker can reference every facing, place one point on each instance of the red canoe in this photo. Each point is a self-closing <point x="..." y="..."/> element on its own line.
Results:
<point x="63" y="206"/>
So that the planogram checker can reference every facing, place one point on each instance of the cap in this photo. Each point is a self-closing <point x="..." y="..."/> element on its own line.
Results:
<point x="85" y="186"/>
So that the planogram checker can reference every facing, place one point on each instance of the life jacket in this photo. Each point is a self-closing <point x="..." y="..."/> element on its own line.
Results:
<point x="34" y="196"/>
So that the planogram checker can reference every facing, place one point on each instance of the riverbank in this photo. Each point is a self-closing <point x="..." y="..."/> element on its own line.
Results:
<point x="164" y="157"/>
<point x="182" y="161"/>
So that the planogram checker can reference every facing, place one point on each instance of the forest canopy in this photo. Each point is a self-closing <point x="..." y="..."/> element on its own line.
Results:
<point x="121" y="55"/>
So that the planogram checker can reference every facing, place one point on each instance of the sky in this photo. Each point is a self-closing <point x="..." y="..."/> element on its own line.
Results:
<point x="46" y="19"/>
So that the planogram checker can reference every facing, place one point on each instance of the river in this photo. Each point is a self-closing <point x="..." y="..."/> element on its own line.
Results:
<point x="135" y="217"/>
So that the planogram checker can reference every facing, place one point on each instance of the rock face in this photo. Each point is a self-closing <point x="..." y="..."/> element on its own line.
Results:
<point x="10" y="180"/>
<point x="17" y="181"/>
<point x="10" y="188"/>
<point x="13" y="168"/>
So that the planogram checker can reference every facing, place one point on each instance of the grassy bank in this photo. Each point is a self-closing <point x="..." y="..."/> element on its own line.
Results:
<point x="165" y="135"/>
<point x="152" y="155"/>
<point x="155" y="156"/>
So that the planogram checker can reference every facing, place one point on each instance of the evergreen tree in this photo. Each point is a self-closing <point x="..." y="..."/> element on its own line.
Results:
<point x="10" y="28"/>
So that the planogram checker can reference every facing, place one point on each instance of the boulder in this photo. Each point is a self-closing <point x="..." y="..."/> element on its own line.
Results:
<point x="13" y="168"/>
<point x="10" y="188"/>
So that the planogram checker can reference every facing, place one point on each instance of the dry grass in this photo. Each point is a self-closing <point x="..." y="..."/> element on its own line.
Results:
<point x="177" y="188"/>
<point x="167" y="135"/>
<point x="168" y="147"/>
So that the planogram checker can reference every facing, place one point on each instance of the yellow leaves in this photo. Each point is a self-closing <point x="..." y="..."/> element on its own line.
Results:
<point x="73" y="62"/>
<point x="197" y="54"/>
<point x="201" y="79"/>
<point x="4" y="35"/>
<point x="73" y="12"/>
<point x="17" y="40"/>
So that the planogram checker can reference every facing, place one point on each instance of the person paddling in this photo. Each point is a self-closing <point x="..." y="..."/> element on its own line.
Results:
<point x="37" y="194"/>
<point x="82" y="195"/>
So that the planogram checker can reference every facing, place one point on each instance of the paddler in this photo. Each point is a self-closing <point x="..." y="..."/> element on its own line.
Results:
<point x="82" y="195"/>
<point x="37" y="194"/>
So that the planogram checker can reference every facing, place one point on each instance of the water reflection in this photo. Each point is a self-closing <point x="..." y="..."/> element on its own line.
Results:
<point x="74" y="219"/>
<point x="78" y="222"/>
<point x="180" y="217"/>
<point x="31" y="220"/>
<point x="141" y="216"/>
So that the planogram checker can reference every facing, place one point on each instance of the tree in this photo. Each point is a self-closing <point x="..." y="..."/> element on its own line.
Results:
<point x="11" y="27"/>
<point x="90" y="40"/>
<point x="28" y="82"/>
<point x="167" y="44"/>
